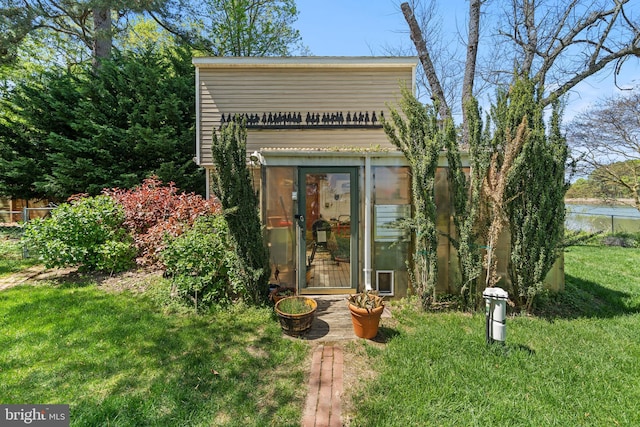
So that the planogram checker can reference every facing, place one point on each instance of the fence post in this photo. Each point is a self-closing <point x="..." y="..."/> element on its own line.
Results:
<point x="612" y="230"/>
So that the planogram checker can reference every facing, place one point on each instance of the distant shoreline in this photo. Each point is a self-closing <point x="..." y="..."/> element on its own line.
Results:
<point x="595" y="201"/>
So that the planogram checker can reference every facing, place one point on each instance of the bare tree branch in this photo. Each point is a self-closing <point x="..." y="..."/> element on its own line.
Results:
<point x="470" y="64"/>
<point x="607" y="139"/>
<point x="633" y="49"/>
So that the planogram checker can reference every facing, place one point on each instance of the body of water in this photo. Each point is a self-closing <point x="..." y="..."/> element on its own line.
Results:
<point x="602" y="218"/>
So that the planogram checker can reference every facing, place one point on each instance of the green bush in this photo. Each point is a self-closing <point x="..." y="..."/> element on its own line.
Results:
<point x="622" y="239"/>
<point x="87" y="233"/>
<point x="599" y="238"/>
<point x="202" y="265"/>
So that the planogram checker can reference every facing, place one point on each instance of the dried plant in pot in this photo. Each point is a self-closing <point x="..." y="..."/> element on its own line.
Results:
<point x="296" y="314"/>
<point x="366" y="309"/>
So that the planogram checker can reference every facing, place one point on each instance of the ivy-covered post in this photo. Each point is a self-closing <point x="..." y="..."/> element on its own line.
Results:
<point x="232" y="184"/>
<point x="421" y="141"/>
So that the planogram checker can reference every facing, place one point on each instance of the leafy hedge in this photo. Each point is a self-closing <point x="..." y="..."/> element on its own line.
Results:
<point x="87" y="233"/>
<point x="154" y="210"/>
<point x="202" y="265"/>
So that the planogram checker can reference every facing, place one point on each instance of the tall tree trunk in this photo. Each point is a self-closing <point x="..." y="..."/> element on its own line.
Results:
<point x="470" y="64"/>
<point x="425" y="59"/>
<point x="102" y="37"/>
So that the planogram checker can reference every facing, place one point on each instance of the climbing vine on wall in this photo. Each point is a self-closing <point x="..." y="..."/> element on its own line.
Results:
<point x="419" y="137"/>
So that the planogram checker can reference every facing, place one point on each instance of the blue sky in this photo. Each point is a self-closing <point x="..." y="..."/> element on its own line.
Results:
<point x="350" y="27"/>
<point x="365" y="27"/>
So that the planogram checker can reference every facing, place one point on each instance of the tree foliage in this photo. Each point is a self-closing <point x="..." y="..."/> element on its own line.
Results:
<point x="535" y="195"/>
<point x="470" y="210"/>
<point x="87" y="23"/>
<point x="512" y="116"/>
<point x="247" y="27"/>
<point x="232" y="184"/>
<point x="67" y="127"/>
<point x="79" y="132"/>
<point x="92" y="28"/>
<point x="533" y="46"/>
<point x="515" y="184"/>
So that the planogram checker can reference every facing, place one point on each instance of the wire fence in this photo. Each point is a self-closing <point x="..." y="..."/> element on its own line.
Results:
<point x="593" y="222"/>
<point x="24" y="215"/>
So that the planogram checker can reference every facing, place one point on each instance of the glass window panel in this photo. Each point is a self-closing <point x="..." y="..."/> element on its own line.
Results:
<point x="392" y="185"/>
<point x="392" y="198"/>
<point x="279" y="223"/>
<point x="390" y="256"/>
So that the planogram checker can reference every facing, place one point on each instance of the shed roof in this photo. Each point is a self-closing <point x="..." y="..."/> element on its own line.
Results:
<point x="307" y="61"/>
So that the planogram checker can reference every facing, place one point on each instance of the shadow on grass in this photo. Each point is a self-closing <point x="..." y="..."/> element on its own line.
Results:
<point x="385" y="334"/>
<point x="586" y="299"/>
<point x="508" y="349"/>
<point x="114" y="359"/>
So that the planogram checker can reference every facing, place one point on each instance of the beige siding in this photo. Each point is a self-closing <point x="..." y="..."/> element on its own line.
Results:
<point x="258" y="90"/>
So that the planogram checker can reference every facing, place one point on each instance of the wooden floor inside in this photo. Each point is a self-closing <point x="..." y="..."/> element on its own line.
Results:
<point x="327" y="273"/>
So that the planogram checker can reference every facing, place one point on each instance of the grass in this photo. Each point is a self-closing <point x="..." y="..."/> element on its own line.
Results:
<point x="11" y="260"/>
<point x="119" y="360"/>
<point x="576" y="363"/>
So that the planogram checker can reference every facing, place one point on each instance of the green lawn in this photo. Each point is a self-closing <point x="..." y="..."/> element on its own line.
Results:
<point x="575" y="364"/>
<point x="119" y="360"/>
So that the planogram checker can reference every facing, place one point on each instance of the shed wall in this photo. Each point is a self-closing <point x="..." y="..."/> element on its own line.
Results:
<point x="260" y="90"/>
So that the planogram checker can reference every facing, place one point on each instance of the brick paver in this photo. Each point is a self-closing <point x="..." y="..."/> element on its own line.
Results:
<point x="323" y="408"/>
<point x="332" y="324"/>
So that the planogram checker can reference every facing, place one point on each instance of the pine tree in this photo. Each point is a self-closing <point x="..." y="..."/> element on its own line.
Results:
<point x="71" y="132"/>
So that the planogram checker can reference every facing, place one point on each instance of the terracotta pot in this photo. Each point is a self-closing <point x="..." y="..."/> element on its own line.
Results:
<point x="296" y="324"/>
<point x="365" y="322"/>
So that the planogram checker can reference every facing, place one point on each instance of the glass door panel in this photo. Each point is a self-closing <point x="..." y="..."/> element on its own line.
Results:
<point x="328" y="242"/>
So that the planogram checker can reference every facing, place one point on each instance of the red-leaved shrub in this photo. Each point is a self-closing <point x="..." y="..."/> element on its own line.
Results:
<point x="153" y="211"/>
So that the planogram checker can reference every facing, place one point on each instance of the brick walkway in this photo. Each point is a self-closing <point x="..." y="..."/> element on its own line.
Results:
<point x="323" y="407"/>
<point x="331" y="326"/>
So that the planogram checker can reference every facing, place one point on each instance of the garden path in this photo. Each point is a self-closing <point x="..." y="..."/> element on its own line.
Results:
<point x="330" y="329"/>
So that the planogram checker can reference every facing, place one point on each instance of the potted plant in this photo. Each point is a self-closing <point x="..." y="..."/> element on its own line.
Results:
<point x="296" y="314"/>
<point x="281" y="292"/>
<point x="366" y="309"/>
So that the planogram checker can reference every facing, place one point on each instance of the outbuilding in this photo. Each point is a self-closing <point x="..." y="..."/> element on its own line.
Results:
<point x="331" y="185"/>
